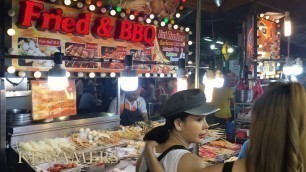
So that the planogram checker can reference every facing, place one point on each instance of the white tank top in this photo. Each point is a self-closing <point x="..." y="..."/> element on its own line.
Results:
<point x="169" y="162"/>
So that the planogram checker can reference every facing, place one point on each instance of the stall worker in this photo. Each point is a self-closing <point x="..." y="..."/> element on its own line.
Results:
<point x="132" y="108"/>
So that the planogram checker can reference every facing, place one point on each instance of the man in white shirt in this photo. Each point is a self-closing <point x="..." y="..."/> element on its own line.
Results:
<point x="132" y="106"/>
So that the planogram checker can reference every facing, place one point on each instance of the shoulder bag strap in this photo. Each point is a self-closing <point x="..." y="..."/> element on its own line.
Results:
<point x="160" y="157"/>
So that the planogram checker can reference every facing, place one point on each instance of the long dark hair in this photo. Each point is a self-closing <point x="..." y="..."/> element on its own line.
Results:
<point x="161" y="134"/>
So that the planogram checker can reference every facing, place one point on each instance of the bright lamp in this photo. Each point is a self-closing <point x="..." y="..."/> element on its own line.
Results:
<point x="129" y="77"/>
<point x="57" y="78"/>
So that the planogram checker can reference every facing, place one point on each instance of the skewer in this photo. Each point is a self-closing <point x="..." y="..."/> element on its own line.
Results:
<point x="213" y="125"/>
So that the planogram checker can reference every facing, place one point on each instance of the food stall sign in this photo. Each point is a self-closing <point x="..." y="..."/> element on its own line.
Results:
<point x="54" y="21"/>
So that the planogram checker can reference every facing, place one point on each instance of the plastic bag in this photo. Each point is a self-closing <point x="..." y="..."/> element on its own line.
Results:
<point x="242" y="85"/>
<point x="257" y="90"/>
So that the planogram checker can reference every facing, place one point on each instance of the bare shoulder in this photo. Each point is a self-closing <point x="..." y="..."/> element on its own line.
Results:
<point x="190" y="162"/>
<point x="239" y="166"/>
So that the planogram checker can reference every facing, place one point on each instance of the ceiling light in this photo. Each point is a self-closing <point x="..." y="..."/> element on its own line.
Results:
<point x="287" y="24"/>
<point x="220" y="42"/>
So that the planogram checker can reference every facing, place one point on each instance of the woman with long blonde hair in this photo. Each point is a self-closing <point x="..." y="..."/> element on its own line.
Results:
<point x="277" y="138"/>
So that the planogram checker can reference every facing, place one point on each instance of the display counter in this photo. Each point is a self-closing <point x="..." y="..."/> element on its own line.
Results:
<point x="58" y="128"/>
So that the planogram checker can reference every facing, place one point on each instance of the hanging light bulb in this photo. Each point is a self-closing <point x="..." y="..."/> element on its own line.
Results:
<point x="11" y="69"/>
<point x="37" y="74"/>
<point x="177" y="15"/>
<point x="189" y="42"/>
<point x="155" y="22"/>
<point x="162" y="24"/>
<point x="181" y="28"/>
<point x="88" y="2"/>
<point x="129" y="78"/>
<point x="122" y="14"/>
<point x="67" y="2"/>
<point x="80" y="74"/>
<point x="187" y="29"/>
<point x="103" y="10"/>
<point x="148" y="20"/>
<point x="11" y="13"/>
<point x="80" y="5"/>
<point x="132" y="17"/>
<point x="298" y="67"/>
<point x="267" y="17"/>
<point x="208" y="81"/>
<point x="11" y="51"/>
<point x="112" y="74"/>
<point x="119" y="9"/>
<point x="175" y="26"/>
<point x="103" y="75"/>
<point x="113" y="12"/>
<point x="190" y="32"/>
<point x="261" y="15"/>
<point x="212" y="46"/>
<point x="219" y="79"/>
<point x="11" y="32"/>
<point x="92" y="75"/>
<point x="169" y="25"/>
<point x="152" y="16"/>
<point x="230" y="50"/>
<point x="287" y="24"/>
<point x="21" y="74"/>
<point x="99" y="4"/>
<point x="288" y="69"/>
<point x="278" y="64"/>
<point x="148" y="75"/>
<point x="181" y="75"/>
<point x="162" y="75"/>
<point x="57" y="77"/>
<point x="92" y="7"/>
<point x="140" y="19"/>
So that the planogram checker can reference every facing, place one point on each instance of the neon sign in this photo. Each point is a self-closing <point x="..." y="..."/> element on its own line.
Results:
<point x="102" y="28"/>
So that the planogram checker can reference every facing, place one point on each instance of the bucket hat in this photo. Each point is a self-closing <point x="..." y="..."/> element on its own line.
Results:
<point x="192" y="101"/>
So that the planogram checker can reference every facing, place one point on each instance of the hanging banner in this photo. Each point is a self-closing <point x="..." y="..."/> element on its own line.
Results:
<point x="43" y="28"/>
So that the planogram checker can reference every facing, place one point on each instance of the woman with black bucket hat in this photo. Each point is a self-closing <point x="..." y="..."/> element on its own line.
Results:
<point x="185" y="113"/>
<point x="277" y="136"/>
